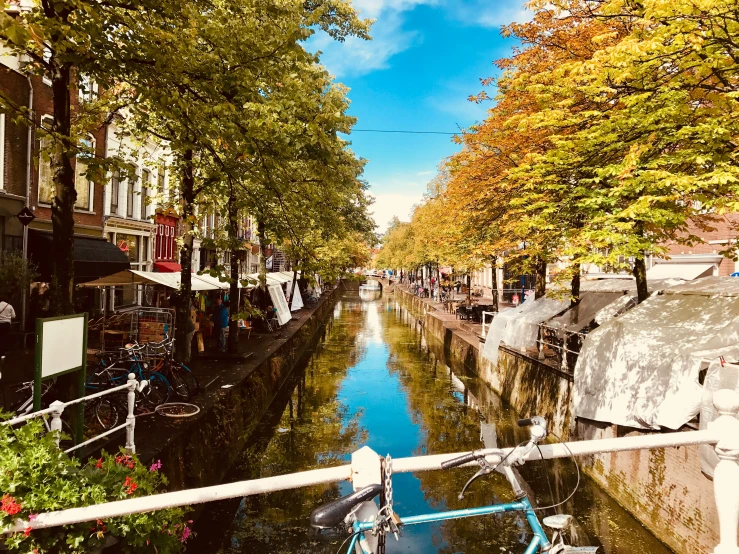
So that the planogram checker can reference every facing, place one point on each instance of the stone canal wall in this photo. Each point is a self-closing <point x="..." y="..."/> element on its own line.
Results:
<point x="199" y="451"/>
<point x="664" y="489"/>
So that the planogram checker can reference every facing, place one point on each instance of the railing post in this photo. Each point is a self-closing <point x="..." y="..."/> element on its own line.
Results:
<point x="56" y="419"/>
<point x="726" y="474"/>
<point x="366" y="471"/>
<point x="131" y="419"/>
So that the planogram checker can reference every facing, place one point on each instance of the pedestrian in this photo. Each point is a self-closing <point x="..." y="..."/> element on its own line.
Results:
<point x="220" y="323"/>
<point x="190" y="330"/>
<point x="7" y="313"/>
<point x="458" y="285"/>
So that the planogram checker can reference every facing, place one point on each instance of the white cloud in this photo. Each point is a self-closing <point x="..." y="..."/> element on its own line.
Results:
<point x="391" y="205"/>
<point x="422" y="173"/>
<point x="485" y="13"/>
<point x="359" y="57"/>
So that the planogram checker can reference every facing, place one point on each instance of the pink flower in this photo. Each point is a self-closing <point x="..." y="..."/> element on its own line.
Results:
<point x="185" y="534"/>
<point x="156" y="466"/>
<point x="32" y="517"/>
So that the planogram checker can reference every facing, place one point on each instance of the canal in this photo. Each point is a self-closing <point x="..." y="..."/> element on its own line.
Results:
<point x="374" y="379"/>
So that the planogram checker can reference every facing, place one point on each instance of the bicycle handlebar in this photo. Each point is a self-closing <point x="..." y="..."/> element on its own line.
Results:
<point x="525" y="422"/>
<point x="461" y="460"/>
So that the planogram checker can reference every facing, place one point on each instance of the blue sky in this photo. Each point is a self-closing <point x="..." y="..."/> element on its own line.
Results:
<point x="426" y="58"/>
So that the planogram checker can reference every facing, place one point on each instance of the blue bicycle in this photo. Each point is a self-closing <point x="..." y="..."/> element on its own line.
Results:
<point x="369" y="526"/>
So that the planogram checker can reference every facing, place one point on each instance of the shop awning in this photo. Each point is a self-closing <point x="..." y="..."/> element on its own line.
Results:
<point x="93" y="257"/>
<point x="167" y="267"/>
<point x="133" y="277"/>
<point x="685" y="271"/>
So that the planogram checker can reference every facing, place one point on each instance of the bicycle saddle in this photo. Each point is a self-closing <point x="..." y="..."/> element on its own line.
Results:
<point x="332" y="514"/>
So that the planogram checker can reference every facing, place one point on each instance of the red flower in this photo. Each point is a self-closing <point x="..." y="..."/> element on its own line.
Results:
<point x="9" y="505"/>
<point x="130" y="485"/>
<point x="99" y="463"/>
<point x="27" y="531"/>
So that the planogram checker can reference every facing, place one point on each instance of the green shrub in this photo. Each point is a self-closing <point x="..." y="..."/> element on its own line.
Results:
<point x="36" y="477"/>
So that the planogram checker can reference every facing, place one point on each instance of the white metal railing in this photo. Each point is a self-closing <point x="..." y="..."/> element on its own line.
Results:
<point x="365" y="469"/>
<point x="563" y="350"/>
<point x="56" y="409"/>
<point x="484" y="323"/>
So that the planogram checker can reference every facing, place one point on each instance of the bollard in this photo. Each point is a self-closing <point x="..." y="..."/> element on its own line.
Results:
<point x="726" y="474"/>
<point x="366" y="471"/>
<point x="56" y="419"/>
<point x="131" y="419"/>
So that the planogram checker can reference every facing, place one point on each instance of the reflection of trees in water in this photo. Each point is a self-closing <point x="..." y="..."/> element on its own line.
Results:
<point x="450" y="408"/>
<point x="313" y="430"/>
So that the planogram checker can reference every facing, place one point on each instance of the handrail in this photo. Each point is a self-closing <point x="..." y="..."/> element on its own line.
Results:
<point x="723" y="432"/>
<point x="484" y="323"/>
<point x="57" y="407"/>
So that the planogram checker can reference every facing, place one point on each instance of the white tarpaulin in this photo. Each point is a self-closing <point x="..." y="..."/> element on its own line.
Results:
<point x="279" y="301"/>
<point x="680" y="271"/>
<point x="519" y="327"/>
<point x="296" y="302"/>
<point x="641" y="368"/>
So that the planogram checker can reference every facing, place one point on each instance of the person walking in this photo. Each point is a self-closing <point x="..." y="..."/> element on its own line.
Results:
<point x="7" y="313"/>
<point x="220" y="323"/>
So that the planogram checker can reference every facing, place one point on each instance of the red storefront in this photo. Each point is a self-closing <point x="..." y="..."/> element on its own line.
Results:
<point x="166" y="251"/>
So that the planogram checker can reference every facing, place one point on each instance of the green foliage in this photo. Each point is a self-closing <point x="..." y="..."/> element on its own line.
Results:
<point x="16" y="276"/>
<point x="37" y="477"/>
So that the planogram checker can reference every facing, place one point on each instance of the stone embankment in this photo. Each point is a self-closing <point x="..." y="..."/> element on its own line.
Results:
<point x="664" y="489"/>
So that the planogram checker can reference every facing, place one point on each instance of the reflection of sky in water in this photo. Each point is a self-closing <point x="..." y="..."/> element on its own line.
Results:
<point x="374" y="371"/>
<point x="371" y="389"/>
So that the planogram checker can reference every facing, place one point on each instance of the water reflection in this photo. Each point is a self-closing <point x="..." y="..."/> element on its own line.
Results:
<point x="375" y="380"/>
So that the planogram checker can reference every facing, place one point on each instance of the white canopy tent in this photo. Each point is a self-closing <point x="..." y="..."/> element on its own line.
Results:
<point x="641" y="368"/>
<point x="135" y="277"/>
<point x="687" y="271"/>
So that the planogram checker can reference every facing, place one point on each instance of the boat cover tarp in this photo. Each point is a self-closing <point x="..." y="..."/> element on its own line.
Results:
<point x="519" y="327"/>
<point x="641" y="369"/>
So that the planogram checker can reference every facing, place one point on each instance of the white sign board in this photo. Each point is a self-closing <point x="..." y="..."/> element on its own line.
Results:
<point x="62" y="345"/>
<point x="280" y="302"/>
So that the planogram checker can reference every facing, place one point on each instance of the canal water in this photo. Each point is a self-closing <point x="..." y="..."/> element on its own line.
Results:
<point x="374" y="379"/>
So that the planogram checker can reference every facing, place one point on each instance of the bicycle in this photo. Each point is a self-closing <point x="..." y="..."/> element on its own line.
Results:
<point x="369" y="526"/>
<point x="104" y="413"/>
<point x="183" y="382"/>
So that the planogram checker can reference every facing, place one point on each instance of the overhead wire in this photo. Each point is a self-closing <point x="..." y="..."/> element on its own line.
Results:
<point x="404" y="132"/>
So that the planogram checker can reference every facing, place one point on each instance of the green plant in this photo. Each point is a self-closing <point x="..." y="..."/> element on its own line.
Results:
<point x="16" y="275"/>
<point x="37" y="477"/>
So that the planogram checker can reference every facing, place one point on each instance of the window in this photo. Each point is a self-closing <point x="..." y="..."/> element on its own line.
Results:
<point x="83" y="184"/>
<point x="115" y="185"/>
<point x="45" y="177"/>
<point x="145" y="180"/>
<point x="88" y="89"/>
<point x="2" y="151"/>
<point x="130" y="193"/>
<point x="159" y="241"/>
<point x="160" y="181"/>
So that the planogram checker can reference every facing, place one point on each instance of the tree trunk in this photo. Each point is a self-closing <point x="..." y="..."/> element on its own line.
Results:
<point x="187" y="207"/>
<point x="494" y="282"/>
<point x="640" y="274"/>
<point x="575" y="286"/>
<point x="541" y="277"/>
<point x="62" y="206"/>
<point x="262" y="294"/>
<point x="233" y="295"/>
<point x="469" y="289"/>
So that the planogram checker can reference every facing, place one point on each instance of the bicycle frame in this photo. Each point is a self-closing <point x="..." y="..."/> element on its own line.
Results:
<point x="538" y="541"/>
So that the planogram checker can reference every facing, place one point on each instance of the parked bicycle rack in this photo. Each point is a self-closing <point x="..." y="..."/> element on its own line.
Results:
<point x="365" y="468"/>
<point x="57" y="408"/>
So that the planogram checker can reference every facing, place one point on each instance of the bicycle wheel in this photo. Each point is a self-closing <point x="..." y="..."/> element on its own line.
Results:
<point x="179" y="385"/>
<point x="100" y="416"/>
<point x="184" y="375"/>
<point x="156" y="392"/>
